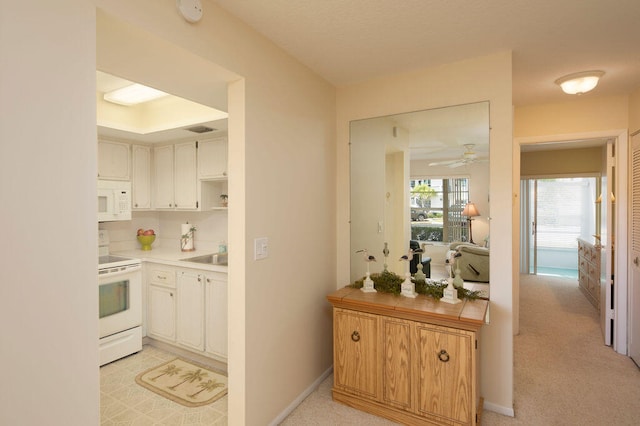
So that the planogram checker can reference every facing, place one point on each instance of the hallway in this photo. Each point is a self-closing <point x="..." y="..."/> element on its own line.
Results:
<point x="563" y="373"/>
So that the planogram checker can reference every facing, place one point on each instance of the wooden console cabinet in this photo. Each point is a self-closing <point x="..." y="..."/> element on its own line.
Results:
<point x="589" y="271"/>
<point x="414" y="361"/>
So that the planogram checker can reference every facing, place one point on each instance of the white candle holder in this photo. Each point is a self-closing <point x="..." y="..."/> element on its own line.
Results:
<point x="408" y="288"/>
<point x="450" y="294"/>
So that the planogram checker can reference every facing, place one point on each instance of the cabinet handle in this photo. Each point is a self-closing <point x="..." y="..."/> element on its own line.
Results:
<point x="443" y="356"/>
<point x="355" y="336"/>
<point x="171" y="294"/>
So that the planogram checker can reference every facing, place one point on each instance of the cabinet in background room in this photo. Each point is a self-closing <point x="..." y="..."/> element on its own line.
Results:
<point x="589" y="271"/>
<point x="212" y="158"/>
<point x="141" y="177"/>
<point x="175" y="176"/>
<point x="114" y="161"/>
<point x="216" y="314"/>
<point x="190" y="323"/>
<point x="161" y="296"/>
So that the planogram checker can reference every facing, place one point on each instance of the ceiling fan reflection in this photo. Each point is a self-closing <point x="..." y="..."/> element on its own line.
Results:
<point x="469" y="156"/>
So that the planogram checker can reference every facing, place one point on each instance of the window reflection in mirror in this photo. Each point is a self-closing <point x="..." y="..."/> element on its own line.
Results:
<point x="412" y="174"/>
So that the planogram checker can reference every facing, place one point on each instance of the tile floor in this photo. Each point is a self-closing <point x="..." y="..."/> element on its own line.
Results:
<point x="124" y="402"/>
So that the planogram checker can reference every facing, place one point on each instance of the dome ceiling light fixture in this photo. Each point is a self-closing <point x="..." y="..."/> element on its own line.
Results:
<point x="580" y="82"/>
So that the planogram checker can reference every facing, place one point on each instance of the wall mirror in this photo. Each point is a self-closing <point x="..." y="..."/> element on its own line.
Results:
<point x="412" y="175"/>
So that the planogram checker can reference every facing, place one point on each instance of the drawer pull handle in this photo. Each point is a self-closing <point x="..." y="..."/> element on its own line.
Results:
<point x="355" y="336"/>
<point x="443" y="356"/>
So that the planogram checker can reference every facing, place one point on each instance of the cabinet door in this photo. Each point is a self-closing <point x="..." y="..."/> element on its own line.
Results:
<point x="113" y="160"/>
<point x="186" y="181"/>
<point x="163" y="176"/>
<point x="216" y="314"/>
<point x="191" y="310"/>
<point x="446" y="372"/>
<point x="355" y="352"/>
<point x="212" y="159"/>
<point x="161" y="312"/>
<point x="396" y="367"/>
<point x="141" y="177"/>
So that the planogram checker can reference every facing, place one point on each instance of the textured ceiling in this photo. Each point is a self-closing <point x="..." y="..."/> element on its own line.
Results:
<point x="348" y="41"/>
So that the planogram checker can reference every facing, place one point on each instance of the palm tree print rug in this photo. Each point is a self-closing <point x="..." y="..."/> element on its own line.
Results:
<point x="185" y="383"/>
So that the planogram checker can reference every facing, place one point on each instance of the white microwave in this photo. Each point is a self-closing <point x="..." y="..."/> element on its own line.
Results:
<point x="114" y="200"/>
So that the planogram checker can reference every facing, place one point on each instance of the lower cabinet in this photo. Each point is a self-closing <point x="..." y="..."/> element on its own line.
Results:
<point x="161" y="302"/>
<point x="188" y="308"/>
<point x="190" y="324"/>
<point x="412" y="371"/>
<point x="216" y="314"/>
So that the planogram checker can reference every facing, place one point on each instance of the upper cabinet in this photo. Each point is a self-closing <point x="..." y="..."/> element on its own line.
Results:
<point x="212" y="159"/>
<point x="141" y="177"/>
<point x="181" y="176"/>
<point x="114" y="160"/>
<point x="175" y="176"/>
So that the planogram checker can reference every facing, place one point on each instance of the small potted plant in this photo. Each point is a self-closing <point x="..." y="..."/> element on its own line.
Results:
<point x="225" y="199"/>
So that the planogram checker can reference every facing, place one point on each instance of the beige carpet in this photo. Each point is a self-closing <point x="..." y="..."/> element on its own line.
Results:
<point x="563" y="373"/>
<point x="185" y="383"/>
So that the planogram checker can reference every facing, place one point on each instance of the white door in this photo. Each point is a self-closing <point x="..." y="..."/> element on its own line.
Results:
<point x="634" y="288"/>
<point x="606" y="254"/>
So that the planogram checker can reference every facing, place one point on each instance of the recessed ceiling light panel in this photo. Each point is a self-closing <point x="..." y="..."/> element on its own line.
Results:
<point x="134" y="94"/>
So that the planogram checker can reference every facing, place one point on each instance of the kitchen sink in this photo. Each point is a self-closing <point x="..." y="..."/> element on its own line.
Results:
<point x="209" y="259"/>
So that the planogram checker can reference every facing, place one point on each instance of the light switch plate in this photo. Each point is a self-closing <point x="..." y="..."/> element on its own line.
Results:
<point x="261" y="248"/>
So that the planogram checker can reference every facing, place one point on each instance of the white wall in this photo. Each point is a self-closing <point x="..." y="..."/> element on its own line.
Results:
<point x="479" y="79"/>
<point x="281" y="186"/>
<point x="48" y="280"/>
<point x="282" y="134"/>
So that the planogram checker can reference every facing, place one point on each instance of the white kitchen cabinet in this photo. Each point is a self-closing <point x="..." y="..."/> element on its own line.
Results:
<point x="186" y="180"/>
<point x="141" y="177"/>
<point x="212" y="158"/>
<point x="161" y="302"/>
<point x="175" y="176"/>
<point x="216" y="314"/>
<point x="114" y="160"/>
<point x="187" y="307"/>
<point x="190" y="323"/>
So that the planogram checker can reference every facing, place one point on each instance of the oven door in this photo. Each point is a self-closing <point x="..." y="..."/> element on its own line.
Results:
<point x="120" y="300"/>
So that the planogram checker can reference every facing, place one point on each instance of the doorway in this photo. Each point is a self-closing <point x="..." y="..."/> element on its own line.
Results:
<point x="543" y="156"/>
<point x="556" y="212"/>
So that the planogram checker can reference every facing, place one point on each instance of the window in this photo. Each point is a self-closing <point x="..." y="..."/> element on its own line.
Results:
<point x="436" y="209"/>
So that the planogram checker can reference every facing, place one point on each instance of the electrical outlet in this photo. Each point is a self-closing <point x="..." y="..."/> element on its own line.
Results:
<point x="261" y="248"/>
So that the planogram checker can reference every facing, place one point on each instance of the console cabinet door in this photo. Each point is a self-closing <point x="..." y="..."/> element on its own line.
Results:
<point x="446" y="373"/>
<point x="356" y="352"/>
<point x="396" y="368"/>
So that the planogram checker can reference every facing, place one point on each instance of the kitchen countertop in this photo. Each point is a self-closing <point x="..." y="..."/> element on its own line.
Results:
<point x="171" y="256"/>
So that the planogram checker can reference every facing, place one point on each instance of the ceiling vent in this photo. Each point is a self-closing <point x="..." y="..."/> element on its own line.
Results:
<point x="200" y="129"/>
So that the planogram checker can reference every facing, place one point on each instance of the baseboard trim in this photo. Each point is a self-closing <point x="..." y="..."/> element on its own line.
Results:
<point x="284" y="414"/>
<point x="505" y="411"/>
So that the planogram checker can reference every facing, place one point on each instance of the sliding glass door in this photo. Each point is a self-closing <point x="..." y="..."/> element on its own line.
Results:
<point x="555" y="212"/>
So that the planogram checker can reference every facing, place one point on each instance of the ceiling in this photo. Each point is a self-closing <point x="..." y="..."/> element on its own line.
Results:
<point x="179" y="124"/>
<point x="347" y="42"/>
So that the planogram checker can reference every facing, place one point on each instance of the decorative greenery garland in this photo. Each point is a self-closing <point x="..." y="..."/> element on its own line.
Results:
<point x="389" y="282"/>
